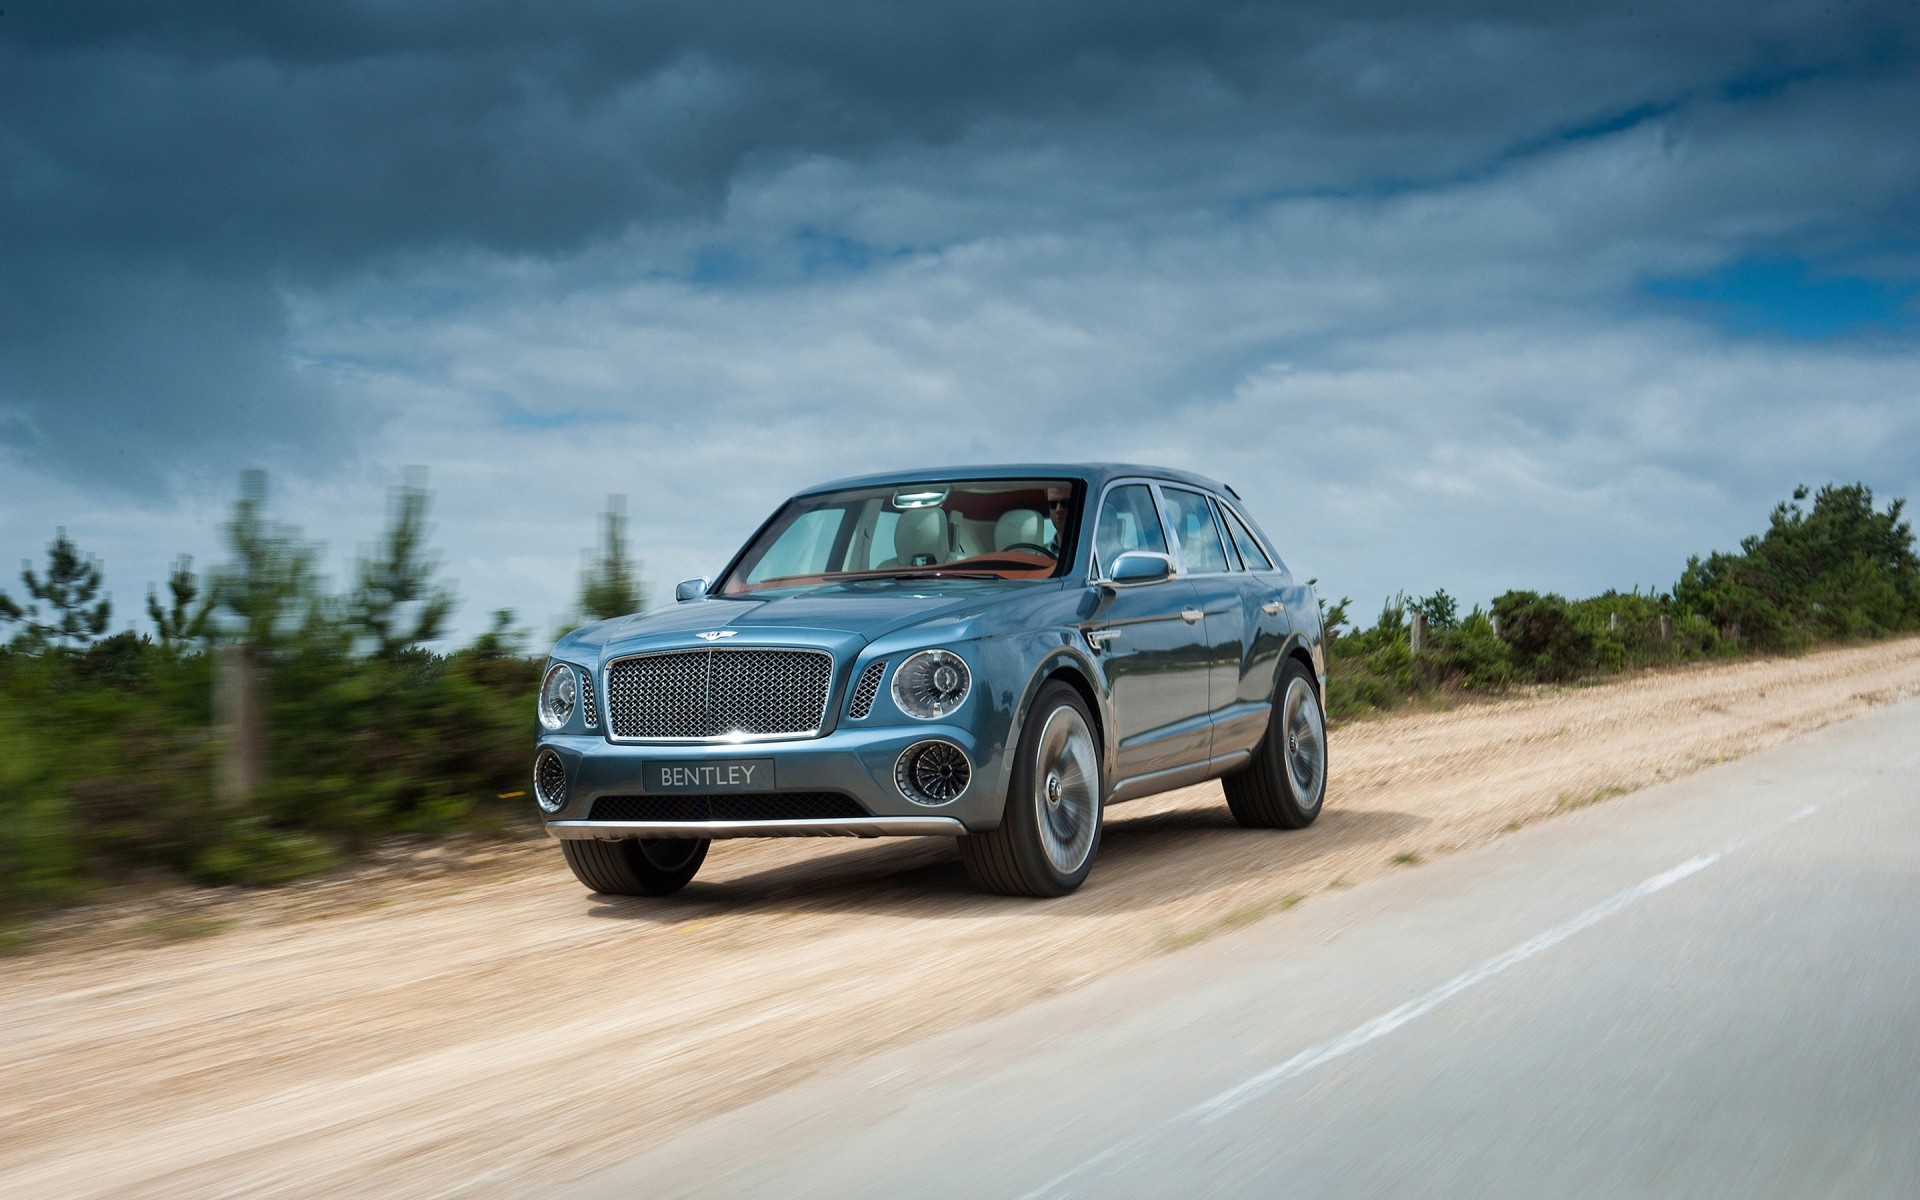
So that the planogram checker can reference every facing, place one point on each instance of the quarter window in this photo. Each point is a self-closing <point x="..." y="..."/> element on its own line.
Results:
<point x="1201" y="550"/>
<point x="1248" y="545"/>
<point x="1128" y="521"/>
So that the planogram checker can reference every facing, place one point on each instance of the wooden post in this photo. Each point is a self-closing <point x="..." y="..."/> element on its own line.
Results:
<point x="1417" y="631"/>
<point x="1493" y="619"/>
<point x="236" y="715"/>
<point x="1613" y="622"/>
<point x="1666" y="627"/>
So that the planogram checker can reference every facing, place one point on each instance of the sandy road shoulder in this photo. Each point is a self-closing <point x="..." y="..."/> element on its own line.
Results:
<point x="502" y="1027"/>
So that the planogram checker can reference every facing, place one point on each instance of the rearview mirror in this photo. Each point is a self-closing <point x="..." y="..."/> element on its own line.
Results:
<point x="1137" y="567"/>
<point x="690" y="589"/>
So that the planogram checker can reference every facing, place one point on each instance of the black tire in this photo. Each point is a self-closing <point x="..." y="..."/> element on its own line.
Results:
<point x="635" y="866"/>
<point x="1050" y="830"/>
<point x="1285" y="784"/>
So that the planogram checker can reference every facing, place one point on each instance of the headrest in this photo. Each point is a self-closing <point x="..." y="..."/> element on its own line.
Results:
<point x="921" y="531"/>
<point x="1019" y="525"/>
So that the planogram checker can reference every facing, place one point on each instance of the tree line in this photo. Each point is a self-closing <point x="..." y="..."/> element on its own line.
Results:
<point x="108" y="756"/>
<point x="1829" y="567"/>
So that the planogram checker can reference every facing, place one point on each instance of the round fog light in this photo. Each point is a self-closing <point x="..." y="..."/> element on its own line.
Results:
<point x="932" y="773"/>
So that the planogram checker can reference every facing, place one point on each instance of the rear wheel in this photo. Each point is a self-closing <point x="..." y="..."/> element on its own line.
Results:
<point x="1282" y="788"/>
<point x="635" y="866"/>
<point x="1051" y="827"/>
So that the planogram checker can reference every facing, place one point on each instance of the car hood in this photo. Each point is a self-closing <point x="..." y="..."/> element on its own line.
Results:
<point x="840" y="617"/>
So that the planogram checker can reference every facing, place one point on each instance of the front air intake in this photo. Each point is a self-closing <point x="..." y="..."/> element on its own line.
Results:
<point x="866" y="689"/>
<point x="730" y="806"/>
<point x="550" y="781"/>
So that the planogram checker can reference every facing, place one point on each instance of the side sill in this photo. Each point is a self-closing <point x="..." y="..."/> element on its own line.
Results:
<point x="865" y="827"/>
<point x="1165" y="781"/>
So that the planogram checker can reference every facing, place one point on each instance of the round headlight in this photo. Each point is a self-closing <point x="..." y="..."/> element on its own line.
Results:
<point x="931" y="684"/>
<point x="559" y="693"/>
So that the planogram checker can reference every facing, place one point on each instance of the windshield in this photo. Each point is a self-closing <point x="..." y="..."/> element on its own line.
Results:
<point x="990" y="528"/>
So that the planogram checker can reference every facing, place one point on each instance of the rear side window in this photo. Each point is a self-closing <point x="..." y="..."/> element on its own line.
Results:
<point x="1200" y="544"/>
<point x="1128" y="521"/>
<point x="1248" y="545"/>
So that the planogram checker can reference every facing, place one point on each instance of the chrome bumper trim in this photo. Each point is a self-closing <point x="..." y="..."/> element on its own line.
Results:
<point x="865" y="827"/>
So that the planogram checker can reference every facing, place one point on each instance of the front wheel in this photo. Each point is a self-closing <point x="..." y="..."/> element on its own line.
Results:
<point x="1051" y="827"/>
<point x="635" y="866"/>
<point x="1283" y="786"/>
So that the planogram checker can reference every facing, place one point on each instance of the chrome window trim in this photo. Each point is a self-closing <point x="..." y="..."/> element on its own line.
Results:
<point x="728" y="739"/>
<point x="1259" y="537"/>
<point x="1096" y="577"/>
<point x="1236" y="561"/>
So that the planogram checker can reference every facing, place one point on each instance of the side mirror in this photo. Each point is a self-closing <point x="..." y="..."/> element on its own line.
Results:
<point x="689" y="589"/>
<point x="1138" y="567"/>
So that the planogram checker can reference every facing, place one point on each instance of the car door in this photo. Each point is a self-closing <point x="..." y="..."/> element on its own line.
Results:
<point x="1151" y="641"/>
<point x="1217" y="587"/>
<point x="1264" y="586"/>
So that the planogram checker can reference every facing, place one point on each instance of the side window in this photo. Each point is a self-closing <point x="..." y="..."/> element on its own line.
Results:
<point x="1200" y="546"/>
<point x="1128" y="521"/>
<point x="1248" y="545"/>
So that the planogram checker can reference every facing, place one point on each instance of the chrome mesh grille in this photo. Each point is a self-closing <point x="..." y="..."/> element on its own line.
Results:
<point x="865" y="690"/>
<point x="692" y="694"/>
<point x="588" y="709"/>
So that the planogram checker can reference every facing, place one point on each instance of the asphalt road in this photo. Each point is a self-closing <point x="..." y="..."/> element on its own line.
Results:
<point x="1708" y="988"/>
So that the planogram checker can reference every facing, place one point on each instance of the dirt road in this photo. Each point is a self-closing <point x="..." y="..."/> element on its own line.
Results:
<point x="511" y="1031"/>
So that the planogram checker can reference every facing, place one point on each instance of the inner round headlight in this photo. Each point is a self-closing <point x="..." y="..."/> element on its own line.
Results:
<point x="931" y="684"/>
<point x="559" y="693"/>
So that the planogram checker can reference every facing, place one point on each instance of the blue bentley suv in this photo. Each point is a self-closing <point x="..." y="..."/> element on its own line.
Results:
<point x="994" y="654"/>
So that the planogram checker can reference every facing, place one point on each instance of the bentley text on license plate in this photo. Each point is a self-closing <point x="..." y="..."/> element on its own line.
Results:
<point x="723" y="775"/>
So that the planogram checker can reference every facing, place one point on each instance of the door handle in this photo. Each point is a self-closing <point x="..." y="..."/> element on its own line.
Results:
<point x="1272" y="608"/>
<point x="1190" y="615"/>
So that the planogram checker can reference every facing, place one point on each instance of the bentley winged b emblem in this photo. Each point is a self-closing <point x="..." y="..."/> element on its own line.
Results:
<point x="714" y="635"/>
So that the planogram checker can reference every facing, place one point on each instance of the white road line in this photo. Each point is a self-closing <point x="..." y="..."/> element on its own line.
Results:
<point x="1218" y="1106"/>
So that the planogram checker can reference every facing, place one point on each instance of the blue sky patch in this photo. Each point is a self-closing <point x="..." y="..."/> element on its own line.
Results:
<point x="1789" y="296"/>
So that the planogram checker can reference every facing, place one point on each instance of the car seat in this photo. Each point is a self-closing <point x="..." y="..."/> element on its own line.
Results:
<point x="1019" y="526"/>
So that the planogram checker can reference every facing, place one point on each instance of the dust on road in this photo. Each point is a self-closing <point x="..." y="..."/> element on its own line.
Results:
<point x="514" y="1031"/>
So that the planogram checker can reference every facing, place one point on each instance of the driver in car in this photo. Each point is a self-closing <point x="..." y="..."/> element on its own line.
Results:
<point x="1057" y="498"/>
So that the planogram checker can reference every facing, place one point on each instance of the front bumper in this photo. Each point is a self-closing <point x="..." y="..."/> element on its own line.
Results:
<point x="866" y="827"/>
<point x="858" y="762"/>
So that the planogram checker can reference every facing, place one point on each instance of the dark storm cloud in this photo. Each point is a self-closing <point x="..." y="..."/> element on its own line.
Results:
<point x="173" y="171"/>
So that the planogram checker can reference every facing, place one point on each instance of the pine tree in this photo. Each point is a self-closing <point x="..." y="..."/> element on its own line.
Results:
<point x="610" y="584"/>
<point x="397" y="605"/>
<point x="183" y="621"/>
<point x="77" y="612"/>
<point x="267" y="592"/>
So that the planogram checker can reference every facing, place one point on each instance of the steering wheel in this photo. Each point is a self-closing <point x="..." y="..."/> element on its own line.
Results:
<point x="1032" y="547"/>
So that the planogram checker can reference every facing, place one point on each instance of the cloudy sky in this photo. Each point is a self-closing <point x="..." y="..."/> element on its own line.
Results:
<point x="1472" y="297"/>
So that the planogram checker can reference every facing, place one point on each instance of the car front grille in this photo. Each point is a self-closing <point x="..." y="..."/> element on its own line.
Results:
<point x="700" y="694"/>
<point x="729" y="806"/>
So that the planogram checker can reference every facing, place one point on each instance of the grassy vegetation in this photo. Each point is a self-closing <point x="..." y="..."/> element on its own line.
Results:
<point x="107" y="757"/>
<point x="1836" y="569"/>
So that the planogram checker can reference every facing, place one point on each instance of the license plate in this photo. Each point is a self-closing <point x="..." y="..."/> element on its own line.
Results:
<point x="721" y="775"/>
